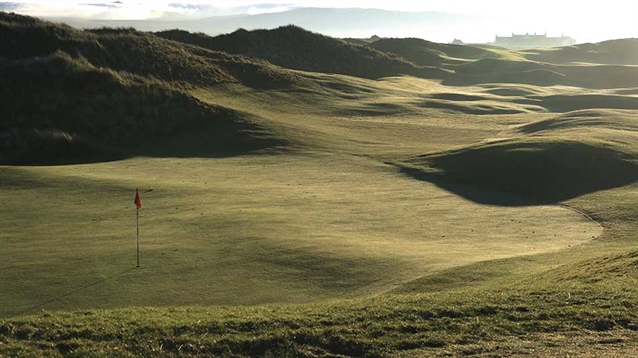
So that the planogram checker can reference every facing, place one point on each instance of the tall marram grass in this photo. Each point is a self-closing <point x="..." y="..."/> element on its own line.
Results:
<point x="98" y="110"/>
<point x="135" y="52"/>
<point x="109" y="92"/>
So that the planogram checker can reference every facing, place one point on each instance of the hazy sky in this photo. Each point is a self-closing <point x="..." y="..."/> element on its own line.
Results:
<point x="585" y="20"/>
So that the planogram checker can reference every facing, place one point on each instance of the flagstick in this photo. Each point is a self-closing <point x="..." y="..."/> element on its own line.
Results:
<point x="138" y="204"/>
<point x="138" y="237"/>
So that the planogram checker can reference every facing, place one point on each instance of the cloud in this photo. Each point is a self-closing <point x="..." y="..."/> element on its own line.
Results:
<point x="196" y="7"/>
<point x="267" y="8"/>
<point x="8" y="6"/>
<point x="91" y="10"/>
<point x="194" y="10"/>
<point x="113" y="5"/>
<point x="270" y="6"/>
<point x="250" y="7"/>
<point x="256" y="10"/>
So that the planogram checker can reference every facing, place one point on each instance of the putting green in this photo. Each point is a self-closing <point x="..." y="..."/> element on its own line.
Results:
<point x="246" y="230"/>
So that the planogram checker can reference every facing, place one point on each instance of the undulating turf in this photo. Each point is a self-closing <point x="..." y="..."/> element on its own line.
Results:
<point x="288" y="213"/>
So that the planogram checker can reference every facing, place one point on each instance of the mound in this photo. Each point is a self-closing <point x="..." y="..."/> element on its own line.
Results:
<point x="492" y="65"/>
<point x="566" y="103"/>
<point x="542" y="170"/>
<point x="543" y="74"/>
<point x="482" y="108"/>
<point x="458" y="97"/>
<point x="296" y="48"/>
<point x="629" y="91"/>
<point x="416" y="51"/>
<point x="508" y="92"/>
<point x="613" y="52"/>
<point x="56" y="109"/>
<point x="426" y="53"/>
<point x="507" y="71"/>
<point x="618" y="120"/>
<point x="135" y="52"/>
<point x="600" y="76"/>
<point x="511" y="90"/>
<point x="71" y="95"/>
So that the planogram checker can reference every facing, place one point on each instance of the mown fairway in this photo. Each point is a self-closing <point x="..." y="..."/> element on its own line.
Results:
<point x="489" y="207"/>
<point x="301" y="225"/>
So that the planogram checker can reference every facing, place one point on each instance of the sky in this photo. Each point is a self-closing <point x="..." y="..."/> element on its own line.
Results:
<point x="592" y="20"/>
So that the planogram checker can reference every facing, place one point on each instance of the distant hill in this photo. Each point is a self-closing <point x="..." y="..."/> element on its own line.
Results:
<point x="295" y="48"/>
<point x="361" y="23"/>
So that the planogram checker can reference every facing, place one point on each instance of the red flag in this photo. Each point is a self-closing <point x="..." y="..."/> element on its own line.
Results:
<point x="138" y="200"/>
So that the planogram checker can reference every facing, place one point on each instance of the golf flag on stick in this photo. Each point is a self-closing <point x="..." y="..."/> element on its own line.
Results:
<point x="138" y="200"/>
<point x="138" y="203"/>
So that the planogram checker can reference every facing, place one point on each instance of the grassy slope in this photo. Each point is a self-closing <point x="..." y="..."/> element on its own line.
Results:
<point x="55" y="77"/>
<point x="144" y="54"/>
<point x="323" y="223"/>
<point x="48" y="100"/>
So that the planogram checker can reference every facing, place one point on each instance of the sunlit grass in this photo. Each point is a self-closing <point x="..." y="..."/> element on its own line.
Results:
<point x="225" y="231"/>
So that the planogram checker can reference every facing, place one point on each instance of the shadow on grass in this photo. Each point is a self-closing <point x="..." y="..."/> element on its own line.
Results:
<point x="234" y="140"/>
<point x="71" y="293"/>
<point x="523" y="173"/>
<point x="469" y="191"/>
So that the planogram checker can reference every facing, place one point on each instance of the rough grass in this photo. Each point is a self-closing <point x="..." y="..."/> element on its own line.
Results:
<point x="528" y="321"/>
